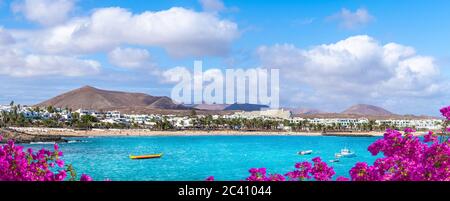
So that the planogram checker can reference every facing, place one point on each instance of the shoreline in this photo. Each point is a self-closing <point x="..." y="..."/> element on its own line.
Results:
<point x="23" y="137"/>
<point x="37" y="134"/>
<point x="64" y="132"/>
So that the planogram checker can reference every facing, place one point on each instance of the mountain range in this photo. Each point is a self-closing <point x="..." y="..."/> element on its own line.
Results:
<point x="89" y="97"/>
<point x="363" y="109"/>
<point x="230" y="107"/>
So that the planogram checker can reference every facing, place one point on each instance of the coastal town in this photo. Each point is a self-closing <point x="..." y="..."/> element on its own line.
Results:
<point x="23" y="118"/>
<point x="223" y="99"/>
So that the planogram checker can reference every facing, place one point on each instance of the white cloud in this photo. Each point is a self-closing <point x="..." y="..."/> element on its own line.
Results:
<point x="45" y="12"/>
<point x="5" y="37"/>
<point x="129" y="57"/>
<point x="58" y="49"/>
<point x="357" y="69"/>
<point x="181" y="32"/>
<point x="16" y="63"/>
<point x="212" y="5"/>
<point x="173" y="75"/>
<point x="349" y="20"/>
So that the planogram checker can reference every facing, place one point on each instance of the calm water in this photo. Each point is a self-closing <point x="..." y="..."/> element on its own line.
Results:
<point x="197" y="157"/>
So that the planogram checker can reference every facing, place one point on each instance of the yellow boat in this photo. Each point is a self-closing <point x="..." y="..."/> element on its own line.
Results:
<point x="146" y="156"/>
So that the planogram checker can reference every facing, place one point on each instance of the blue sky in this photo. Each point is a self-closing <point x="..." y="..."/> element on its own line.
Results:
<point x="403" y="41"/>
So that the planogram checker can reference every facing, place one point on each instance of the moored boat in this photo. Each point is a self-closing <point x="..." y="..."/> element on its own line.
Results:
<point x="306" y="152"/>
<point x="334" y="160"/>
<point x="346" y="153"/>
<point x="149" y="156"/>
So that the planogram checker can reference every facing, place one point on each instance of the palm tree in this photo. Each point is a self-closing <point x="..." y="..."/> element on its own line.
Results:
<point x="372" y="125"/>
<point x="50" y="109"/>
<point x="351" y="125"/>
<point x="193" y="113"/>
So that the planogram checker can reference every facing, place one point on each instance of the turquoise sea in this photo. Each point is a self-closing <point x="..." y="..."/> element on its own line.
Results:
<point x="197" y="157"/>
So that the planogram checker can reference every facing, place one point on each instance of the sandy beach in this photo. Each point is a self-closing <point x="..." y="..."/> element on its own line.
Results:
<point x="146" y="132"/>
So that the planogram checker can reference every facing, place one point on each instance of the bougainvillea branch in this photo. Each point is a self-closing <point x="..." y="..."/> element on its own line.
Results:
<point x="43" y="165"/>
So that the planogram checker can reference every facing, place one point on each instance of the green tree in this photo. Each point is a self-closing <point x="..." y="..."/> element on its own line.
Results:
<point x="50" y="109"/>
<point x="193" y="113"/>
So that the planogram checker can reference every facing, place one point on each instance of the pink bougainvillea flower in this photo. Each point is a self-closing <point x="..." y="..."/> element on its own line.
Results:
<point x="19" y="165"/>
<point x="276" y="177"/>
<point x="445" y="111"/>
<point x="409" y="130"/>
<point x="430" y="137"/>
<point x="60" y="163"/>
<point x="341" y="178"/>
<point x="85" y="177"/>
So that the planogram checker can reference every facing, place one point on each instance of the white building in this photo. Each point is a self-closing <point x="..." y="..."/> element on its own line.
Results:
<point x="66" y="116"/>
<point x="268" y="113"/>
<point x="344" y="122"/>
<point x="113" y="114"/>
<point x="432" y="124"/>
<point x="137" y="118"/>
<point x="6" y="108"/>
<point x="83" y="112"/>
<point x="181" y="122"/>
<point x="30" y="114"/>
<point x="115" y="121"/>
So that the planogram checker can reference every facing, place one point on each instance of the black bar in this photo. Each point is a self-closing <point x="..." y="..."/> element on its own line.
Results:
<point x="250" y="190"/>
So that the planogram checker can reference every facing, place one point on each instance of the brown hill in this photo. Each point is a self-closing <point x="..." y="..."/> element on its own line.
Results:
<point x="92" y="98"/>
<point x="298" y="111"/>
<point x="363" y="109"/>
<point x="230" y="107"/>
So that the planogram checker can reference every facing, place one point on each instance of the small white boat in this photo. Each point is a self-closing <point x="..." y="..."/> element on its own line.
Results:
<point x="42" y="142"/>
<point x="306" y="152"/>
<point x="345" y="153"/>
<point x="334" y="160"/>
